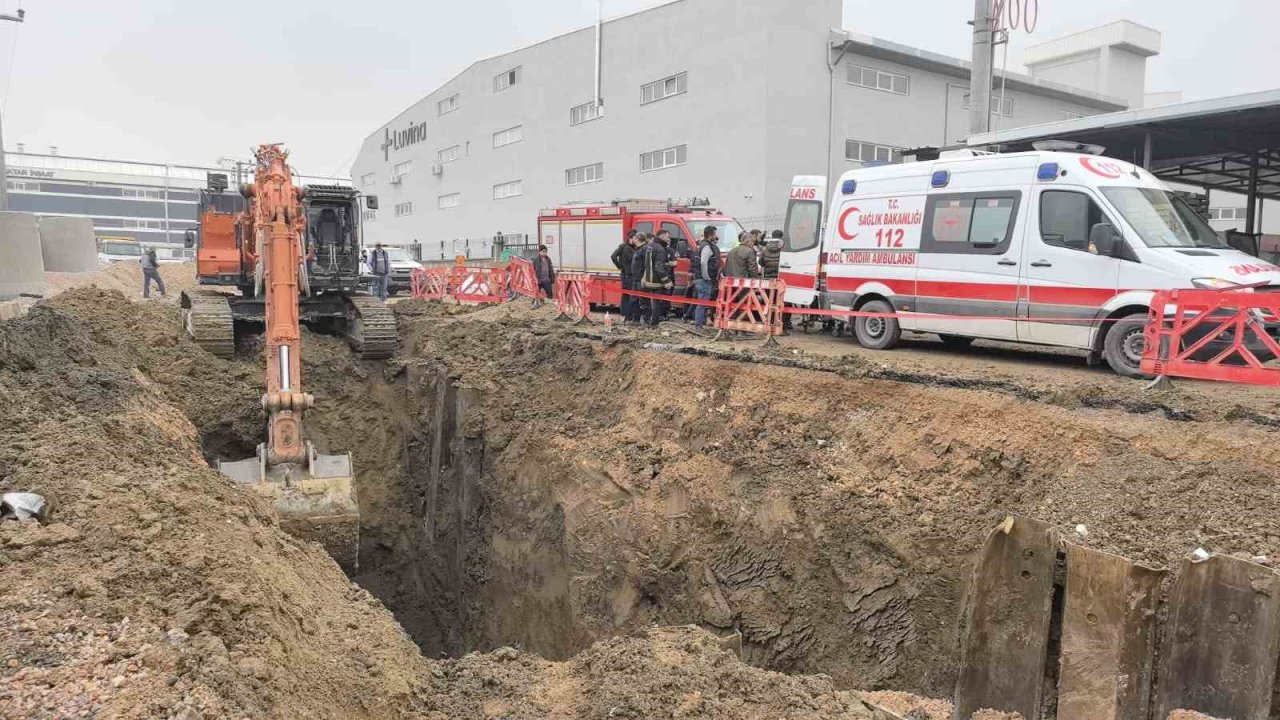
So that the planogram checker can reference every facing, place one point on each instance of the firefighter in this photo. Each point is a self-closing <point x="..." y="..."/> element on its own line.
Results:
<point x="705" y="270"/>
<point x="622" y="258"/>
<point x="655" y="277"/>
<point x="673" y="258"/>
<point x="641" y="306"/>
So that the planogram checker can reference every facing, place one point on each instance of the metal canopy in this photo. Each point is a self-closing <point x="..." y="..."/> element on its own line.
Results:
<point x="1230" y="144"/>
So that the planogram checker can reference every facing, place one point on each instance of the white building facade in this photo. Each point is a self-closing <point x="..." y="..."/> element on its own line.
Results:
<point x="701" y="98"/>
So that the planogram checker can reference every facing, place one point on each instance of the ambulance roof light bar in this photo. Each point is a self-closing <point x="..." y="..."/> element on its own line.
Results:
<point x="1068" y="146"/>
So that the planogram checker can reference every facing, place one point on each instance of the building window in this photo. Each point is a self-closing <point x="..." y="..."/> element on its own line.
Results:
<point x="878" y="80"/>
<point x="368" y="179"/>
<point x="585" y="112"/>
<point x="1066" y="114"/>
<point x="369" y="215"/>
<point x="402" y="169"/>
<point x="508" y="189"/>
<point x="502" y="81"/>
<point x="508" y="136"/>
<point x="1227" y="213"/>
<point x="452" y="200"/>
<point x="664" y="88"/>
<point x="447" y="105"/>
<point x="20" y="185"/>
<point x="133" y="224"/>
<point x="449" y="154"/>
<point x="584" y="174"/>
<point x="866" y="152"/>
<point x="659" y="159"/>
<point x="999" y="106"/>
<point x="140" y="193"/>
<point x="404" y="208"/>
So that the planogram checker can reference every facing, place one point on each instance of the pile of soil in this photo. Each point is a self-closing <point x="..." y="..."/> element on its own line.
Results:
<point x="156" y="588"/>
<point x="126" y="277"/>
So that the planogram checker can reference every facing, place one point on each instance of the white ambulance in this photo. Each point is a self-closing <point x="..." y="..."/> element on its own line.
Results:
<point x="1046" y="247"/>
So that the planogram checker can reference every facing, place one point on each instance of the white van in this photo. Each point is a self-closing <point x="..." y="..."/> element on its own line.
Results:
<point x="1053" y="248"/>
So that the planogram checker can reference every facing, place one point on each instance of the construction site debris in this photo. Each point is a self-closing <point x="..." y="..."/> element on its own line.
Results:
<point x="23" y="506"/>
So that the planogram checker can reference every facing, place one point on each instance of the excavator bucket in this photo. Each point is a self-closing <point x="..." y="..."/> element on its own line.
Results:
<point x="316" y="501"/>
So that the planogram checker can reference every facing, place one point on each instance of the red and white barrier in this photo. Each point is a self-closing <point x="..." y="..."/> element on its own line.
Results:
<point x="1214" y="335"/>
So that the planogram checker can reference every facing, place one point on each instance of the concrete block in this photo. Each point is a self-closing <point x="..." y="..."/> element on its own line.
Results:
<point x="21" y="261"/>
<point x="67" y="244"/>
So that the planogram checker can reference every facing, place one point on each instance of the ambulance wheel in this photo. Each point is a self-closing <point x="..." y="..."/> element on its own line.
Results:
<point x="877" y="333"/>
<point x="1122" y="348"/>
<point x="956" y="341"/>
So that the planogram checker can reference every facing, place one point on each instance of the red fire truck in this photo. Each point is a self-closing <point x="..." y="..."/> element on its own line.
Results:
<point x="581" y="238"/>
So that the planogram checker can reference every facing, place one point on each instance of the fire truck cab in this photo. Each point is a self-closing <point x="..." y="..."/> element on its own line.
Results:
<point x="582" y="238"/>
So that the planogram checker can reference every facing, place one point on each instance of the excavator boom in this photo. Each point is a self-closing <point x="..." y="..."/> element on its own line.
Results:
<point x="313" y="493"/>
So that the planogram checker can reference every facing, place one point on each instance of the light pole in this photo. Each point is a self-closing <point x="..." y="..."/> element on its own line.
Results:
<point x="4" y="171"/>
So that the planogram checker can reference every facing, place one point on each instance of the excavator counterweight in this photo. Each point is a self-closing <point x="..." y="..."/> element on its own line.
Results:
<point x="293" y="254"/>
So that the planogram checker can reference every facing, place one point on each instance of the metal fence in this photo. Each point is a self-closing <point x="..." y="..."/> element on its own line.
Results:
<point x="497" y="247"/>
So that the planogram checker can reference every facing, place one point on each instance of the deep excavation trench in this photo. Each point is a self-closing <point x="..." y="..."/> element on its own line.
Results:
<point x="523" y="486"/>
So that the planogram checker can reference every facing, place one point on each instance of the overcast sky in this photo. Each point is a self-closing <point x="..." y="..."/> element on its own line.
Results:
<point x="188" y="82"/>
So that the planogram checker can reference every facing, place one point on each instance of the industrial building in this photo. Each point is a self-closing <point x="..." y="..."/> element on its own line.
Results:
<point x="149" y="202"/>
<point x="728" y="110"/>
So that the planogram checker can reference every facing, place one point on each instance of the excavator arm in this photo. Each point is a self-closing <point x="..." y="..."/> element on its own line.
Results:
<point x="313" y="493"/>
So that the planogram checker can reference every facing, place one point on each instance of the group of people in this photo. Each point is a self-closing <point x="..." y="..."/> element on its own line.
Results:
<point x="647" y="263"/>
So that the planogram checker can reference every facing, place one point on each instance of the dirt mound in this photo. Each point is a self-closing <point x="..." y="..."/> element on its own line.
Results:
<point x="158" y="589"/>
<point x="126" y="277"/>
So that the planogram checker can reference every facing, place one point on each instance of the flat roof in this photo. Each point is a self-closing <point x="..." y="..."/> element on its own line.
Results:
<point x="1209" y="143"/>
<point x="937" y="62"/>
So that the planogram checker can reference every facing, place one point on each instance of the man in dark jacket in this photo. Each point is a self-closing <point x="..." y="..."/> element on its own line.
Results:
<point x="622" y="258"/>
<point x="673" y="259"/>
<point x="771" y="256"/>
<point x="742" y="259"/>
<point x="151" y="272"/>
<point x="705" y="270"/>
<point x="545" y="272"/>
<point x="380" y="268"/>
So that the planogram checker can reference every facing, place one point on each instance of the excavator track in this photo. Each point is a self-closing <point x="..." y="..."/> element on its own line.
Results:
<point x="371" y="328"/>
<point x="206" y="316"/>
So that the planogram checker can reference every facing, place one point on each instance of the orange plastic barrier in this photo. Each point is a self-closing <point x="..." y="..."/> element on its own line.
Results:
<point x="429" y="283"/>
<point x="750" y="305"/>
<point x="523" y="280"/>
<point x="573" y="296"/>
<point x="1222" y="335"/>
<point x="485" y="285"/>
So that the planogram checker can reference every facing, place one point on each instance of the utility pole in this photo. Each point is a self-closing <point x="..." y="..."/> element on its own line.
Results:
<point x="4" y="171"/>
<point x="980" y="77"/>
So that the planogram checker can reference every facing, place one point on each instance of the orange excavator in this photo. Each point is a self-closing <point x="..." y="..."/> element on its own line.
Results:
<point x="294" y="255"/>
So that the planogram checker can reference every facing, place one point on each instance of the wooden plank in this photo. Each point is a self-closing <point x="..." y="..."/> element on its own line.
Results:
<point x="1221" y="640"/>
<point x="1108" y="636"/>
<point x="1007" y="622"/>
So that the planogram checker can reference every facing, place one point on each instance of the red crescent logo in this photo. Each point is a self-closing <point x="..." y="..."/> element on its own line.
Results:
<point x="1104" y="168"/>
<point x="844" y="216"/>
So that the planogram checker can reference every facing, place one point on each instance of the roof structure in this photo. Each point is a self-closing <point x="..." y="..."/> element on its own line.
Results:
<point x="1230" y="143"/>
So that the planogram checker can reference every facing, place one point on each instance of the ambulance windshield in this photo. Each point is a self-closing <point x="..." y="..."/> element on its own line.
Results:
<point x="1162" y="219"/>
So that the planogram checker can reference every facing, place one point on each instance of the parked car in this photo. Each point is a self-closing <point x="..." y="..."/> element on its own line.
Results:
<point x="402" y="266"/>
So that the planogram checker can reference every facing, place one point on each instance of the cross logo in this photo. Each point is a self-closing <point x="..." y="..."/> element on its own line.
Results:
<point x="386" y="146"/>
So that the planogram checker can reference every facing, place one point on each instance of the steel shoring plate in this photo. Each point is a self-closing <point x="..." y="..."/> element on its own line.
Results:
<point x="1007" y="622"/>
<point x="1220" y="640"/>
<point x="1108" y="635"/>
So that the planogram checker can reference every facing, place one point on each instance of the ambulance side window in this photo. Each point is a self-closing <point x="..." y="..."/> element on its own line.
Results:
<point x="801" y="228"/>
<point x="1066" y="218"/>
<point x="970" y="223"/>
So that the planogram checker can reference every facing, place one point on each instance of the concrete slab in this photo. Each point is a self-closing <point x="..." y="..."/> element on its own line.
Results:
<point x="22" y="271"/>
<point x="67" y="244"/>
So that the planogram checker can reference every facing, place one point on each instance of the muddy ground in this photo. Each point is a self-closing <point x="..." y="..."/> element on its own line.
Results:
<point x="158" y="589"/>
<point x="531" y="490"/>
